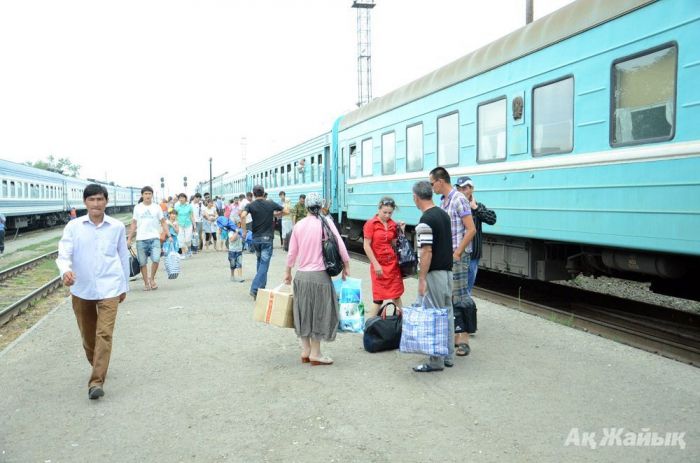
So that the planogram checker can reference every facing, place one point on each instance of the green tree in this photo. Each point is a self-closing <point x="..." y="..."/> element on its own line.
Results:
<point x="62" y="166"/>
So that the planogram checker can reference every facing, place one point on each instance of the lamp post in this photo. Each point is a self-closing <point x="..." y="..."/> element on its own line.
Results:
<point x="210" y="189"/>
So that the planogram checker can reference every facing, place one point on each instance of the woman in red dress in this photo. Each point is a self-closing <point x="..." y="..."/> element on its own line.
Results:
<point x="380" y="233"/>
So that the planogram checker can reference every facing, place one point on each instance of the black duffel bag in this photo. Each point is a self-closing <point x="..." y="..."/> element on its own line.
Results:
<point x="465" y="316"/>
<point x="383" y="332"/>
<point x="134" y="266"/>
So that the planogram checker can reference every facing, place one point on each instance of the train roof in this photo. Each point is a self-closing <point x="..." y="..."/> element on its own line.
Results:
<point x="566" y="22"/>
<point x="15" y="168"/>
<point x="293" y="153"/>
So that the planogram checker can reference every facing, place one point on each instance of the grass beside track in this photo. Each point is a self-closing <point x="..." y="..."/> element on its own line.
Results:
<point x="34" y="250"/>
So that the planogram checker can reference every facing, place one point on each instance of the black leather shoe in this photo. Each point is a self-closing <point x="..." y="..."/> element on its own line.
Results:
<point x="95" y="392"/>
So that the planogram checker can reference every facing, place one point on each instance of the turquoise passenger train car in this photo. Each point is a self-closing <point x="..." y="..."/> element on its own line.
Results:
<point x="581" y="130"/>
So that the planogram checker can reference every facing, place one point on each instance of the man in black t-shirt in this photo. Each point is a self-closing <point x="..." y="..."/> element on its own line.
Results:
<point x="434" y="237"/>
<point x="263" y="212"/>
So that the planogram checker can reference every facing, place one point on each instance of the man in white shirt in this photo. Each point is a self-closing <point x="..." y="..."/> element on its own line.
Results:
<point x="148" y="224"/>
<point x="94" y="261"/>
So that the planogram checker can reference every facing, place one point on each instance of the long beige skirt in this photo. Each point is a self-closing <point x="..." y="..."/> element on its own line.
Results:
<point x="315" y="306"/>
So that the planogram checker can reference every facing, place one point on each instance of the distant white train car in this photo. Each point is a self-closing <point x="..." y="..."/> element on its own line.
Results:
<point x="31" y="197"/>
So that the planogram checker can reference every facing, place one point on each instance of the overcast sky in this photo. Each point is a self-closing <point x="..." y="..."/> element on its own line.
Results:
<point x="133" y="90"/>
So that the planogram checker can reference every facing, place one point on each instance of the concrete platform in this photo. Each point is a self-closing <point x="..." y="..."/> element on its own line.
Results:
<point x="194" y="379"/>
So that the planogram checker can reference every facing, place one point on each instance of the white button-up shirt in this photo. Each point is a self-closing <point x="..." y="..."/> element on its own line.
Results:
<point x="98" y="256"/>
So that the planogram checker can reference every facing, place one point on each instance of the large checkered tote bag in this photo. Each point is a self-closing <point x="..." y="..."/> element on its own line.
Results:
<point x="424" y="329"/>
<point x="172" y="261"/>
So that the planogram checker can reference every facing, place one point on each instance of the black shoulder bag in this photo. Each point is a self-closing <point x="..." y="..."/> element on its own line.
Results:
<point x="331" y="252"/>
<point x="408" y="261"/>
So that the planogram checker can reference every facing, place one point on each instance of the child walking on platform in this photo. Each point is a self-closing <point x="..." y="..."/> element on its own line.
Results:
<point x="235" y="253"/>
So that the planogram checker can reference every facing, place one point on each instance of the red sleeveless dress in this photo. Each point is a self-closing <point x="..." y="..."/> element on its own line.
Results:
<point x="390" y="284"/>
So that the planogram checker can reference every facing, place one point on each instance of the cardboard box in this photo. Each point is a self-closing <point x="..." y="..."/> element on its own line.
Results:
<point x="274" y="306"/>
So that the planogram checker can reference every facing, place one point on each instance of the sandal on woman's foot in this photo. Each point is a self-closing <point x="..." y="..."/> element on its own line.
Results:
<point x="154" y="285"/>
<point x="425" y="368"/>
<point x="321" y="361"/>
<point x="146" y="287"/>
<point x="463" y="350"/>
<point x="305" y="359"/>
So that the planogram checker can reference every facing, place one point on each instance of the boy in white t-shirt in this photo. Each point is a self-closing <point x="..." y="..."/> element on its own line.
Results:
<point x="148" y="224"/>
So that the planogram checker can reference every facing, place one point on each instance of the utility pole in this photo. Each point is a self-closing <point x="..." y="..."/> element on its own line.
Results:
<point x="528" y="11"/>
<point x="244" y="145"/>
<point x="364" y="51"/>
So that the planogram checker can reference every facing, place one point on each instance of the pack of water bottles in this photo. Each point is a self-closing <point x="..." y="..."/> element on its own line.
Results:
<point x="351" y="316"/>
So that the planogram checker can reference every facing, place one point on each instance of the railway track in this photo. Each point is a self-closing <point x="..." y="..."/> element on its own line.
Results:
<point x="661" y="330"/>
<point x="25" y="283"/>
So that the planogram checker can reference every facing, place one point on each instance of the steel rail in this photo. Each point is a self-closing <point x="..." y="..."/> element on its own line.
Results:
<point x="9" y="312"/>
<point x="7" y="273"/>
<point x="598" y="320"/>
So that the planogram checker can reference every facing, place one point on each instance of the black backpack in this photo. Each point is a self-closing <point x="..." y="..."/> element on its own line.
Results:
<point x="383" y="332"/>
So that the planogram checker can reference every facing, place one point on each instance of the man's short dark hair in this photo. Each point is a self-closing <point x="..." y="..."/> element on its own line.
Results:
<point x="282" y="193"/>
<point x="440" y="173"/>
<point x="423" y="190"/>
<point x="197" y="195"/>
<point x="302" y="196"/>
<point x="145" y="189"/>
<point x="258" y="191"/>
<point x="241" y="196"/>
<point x="182" y="195"/>
<point x="94" y="189"/>
<point x="249" y="193"/>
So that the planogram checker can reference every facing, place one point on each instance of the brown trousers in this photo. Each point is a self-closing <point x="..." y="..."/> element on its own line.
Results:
<point x="96" y="323"/>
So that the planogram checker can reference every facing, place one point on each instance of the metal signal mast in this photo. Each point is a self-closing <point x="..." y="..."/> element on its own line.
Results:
<point x="364" y="51"/>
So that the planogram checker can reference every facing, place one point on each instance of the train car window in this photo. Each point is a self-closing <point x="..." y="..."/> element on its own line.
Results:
<point x="320" y="167"/>
<point x="353" y="162"/>
<point x="448" y="140"/>
<point x="12" y="189"/>
<point x="277" y="177"/>
<point x="644" y="96"/>
<point x="389" y="153"/>
<point x="553" y="117"/>
<point x="367" y="157"/>
<point x="414" y="148"/>
<point x="289" y="174"/>
<point x="5" y="193"/>
<point x="491" y="131"/>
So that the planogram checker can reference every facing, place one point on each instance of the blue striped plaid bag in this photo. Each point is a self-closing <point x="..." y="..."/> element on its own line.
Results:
<point x="172" y="261"/>
<point x="424" y="329"/>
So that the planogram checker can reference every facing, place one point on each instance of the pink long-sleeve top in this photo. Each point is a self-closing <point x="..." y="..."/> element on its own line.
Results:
<point x="305" y="245"/>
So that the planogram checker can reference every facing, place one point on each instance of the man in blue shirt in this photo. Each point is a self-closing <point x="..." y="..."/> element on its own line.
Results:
<point x="94" y="261"/>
